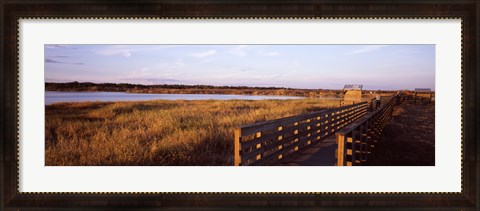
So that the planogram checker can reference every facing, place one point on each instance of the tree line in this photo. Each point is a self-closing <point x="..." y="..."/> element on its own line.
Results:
<point x="188" y="89"/>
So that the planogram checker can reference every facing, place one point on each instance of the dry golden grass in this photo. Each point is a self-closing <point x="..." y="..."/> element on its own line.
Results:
<point x="184" y="133"/>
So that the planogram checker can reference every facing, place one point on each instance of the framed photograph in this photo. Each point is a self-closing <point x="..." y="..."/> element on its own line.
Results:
<point x="230" y="105"/>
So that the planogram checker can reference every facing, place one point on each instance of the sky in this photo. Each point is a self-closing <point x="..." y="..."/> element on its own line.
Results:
<point x="386" y="67"/>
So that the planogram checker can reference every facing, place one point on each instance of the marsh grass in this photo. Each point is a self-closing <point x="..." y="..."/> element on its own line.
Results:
<point x="183" y="133"/>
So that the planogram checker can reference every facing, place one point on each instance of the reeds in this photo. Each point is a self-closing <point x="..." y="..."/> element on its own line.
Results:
<point x="180" y="133"/>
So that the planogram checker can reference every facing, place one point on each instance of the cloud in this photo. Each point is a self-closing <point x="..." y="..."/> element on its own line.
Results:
<point x="246" y="69"/>
<point x="146" y="76"/>
<point x="266" y="77"/>
<point x="204" y="54"/>
<point x="144" y="72"/>
<point x="126" y="54"/>
<point x="366" y="49"/>
<point x="238" y="50"/>
<point x="206" y="61"/>
<point x="179" y="63"/>
<point x="115" y="50"/>
<point x="150" y="80"/>
<point x="128" y="50"/>
<point x="152" y="74"/>
<point x="291" y="73"/>
<point x="48" y="60"/>
<point x="263" y="53"/>
<point x="172" y="64"/>
<point x="239" y="69"/>
<point x="56" y="80"/>
<point x="254" y="84"/>
<point x="51" y="61"/>
<point x="55" y="46"/>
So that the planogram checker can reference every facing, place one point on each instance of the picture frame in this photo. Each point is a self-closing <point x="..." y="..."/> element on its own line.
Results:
<point x="468" y="11"/>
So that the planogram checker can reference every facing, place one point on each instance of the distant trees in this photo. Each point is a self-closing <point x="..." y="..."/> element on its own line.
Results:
<point x="187" y="89"/>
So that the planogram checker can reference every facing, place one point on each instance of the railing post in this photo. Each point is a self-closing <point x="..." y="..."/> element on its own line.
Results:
<point x="357" y="146"/>
<point x="260" y="145"/>
<point x="237" y="160"/>
<point x="352" y="152"/>
<point x="340" y="149"/>
<point x="363" y="145"/>
<point x="280" y="139"/>
<point x="369" y="140"/>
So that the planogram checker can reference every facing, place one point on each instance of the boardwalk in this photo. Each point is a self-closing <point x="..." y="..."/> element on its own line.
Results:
<point x="409" y="116"/>
<point x="268" y="142"/>
<point x="320" y="154"/>
<point x="340" y="136"/>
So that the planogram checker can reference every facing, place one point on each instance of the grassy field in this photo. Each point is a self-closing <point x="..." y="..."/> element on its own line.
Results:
<point x="185" y="133"/>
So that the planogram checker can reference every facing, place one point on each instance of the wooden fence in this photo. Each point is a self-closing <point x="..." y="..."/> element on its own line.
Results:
<point x="421" y="96"/>
<point x="267" y="142"/>
<point x="356" y="142"/>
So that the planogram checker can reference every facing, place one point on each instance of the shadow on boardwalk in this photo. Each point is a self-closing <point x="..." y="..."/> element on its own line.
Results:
<point x="312" y="156"/>
<point x="408" y="138"/>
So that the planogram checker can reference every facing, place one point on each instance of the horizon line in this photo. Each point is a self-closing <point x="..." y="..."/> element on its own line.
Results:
<point x="246" y="86"/>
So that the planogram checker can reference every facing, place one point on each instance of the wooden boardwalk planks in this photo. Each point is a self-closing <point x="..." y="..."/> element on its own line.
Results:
<point x="267" y="142"/>
<point x="309" y="140"/>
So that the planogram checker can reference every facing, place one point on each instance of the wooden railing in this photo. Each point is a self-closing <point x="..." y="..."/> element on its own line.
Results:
<point x="374" y="104"/>
<point x="267" y="142"/>
<point x="356" y="142"/>
<point x="420" y="96"/>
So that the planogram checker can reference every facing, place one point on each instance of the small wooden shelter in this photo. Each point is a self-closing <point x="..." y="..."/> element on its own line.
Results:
<point x="352" y="93"/>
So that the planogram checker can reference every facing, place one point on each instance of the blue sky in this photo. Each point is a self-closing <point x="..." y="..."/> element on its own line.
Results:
<point x="386" y="67"/>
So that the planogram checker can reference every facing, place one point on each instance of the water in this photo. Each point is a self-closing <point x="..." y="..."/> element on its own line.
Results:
<point x="56" y="97"/>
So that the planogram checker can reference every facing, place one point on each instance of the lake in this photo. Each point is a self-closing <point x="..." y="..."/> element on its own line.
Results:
<point x="56" y="97"/>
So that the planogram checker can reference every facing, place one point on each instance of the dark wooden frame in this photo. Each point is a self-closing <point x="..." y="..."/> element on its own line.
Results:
<point x="468" y="10"/>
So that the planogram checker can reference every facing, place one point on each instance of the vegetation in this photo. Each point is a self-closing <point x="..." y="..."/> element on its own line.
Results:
<point x="190" y="89"/>
<point x="157" y="132"/>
